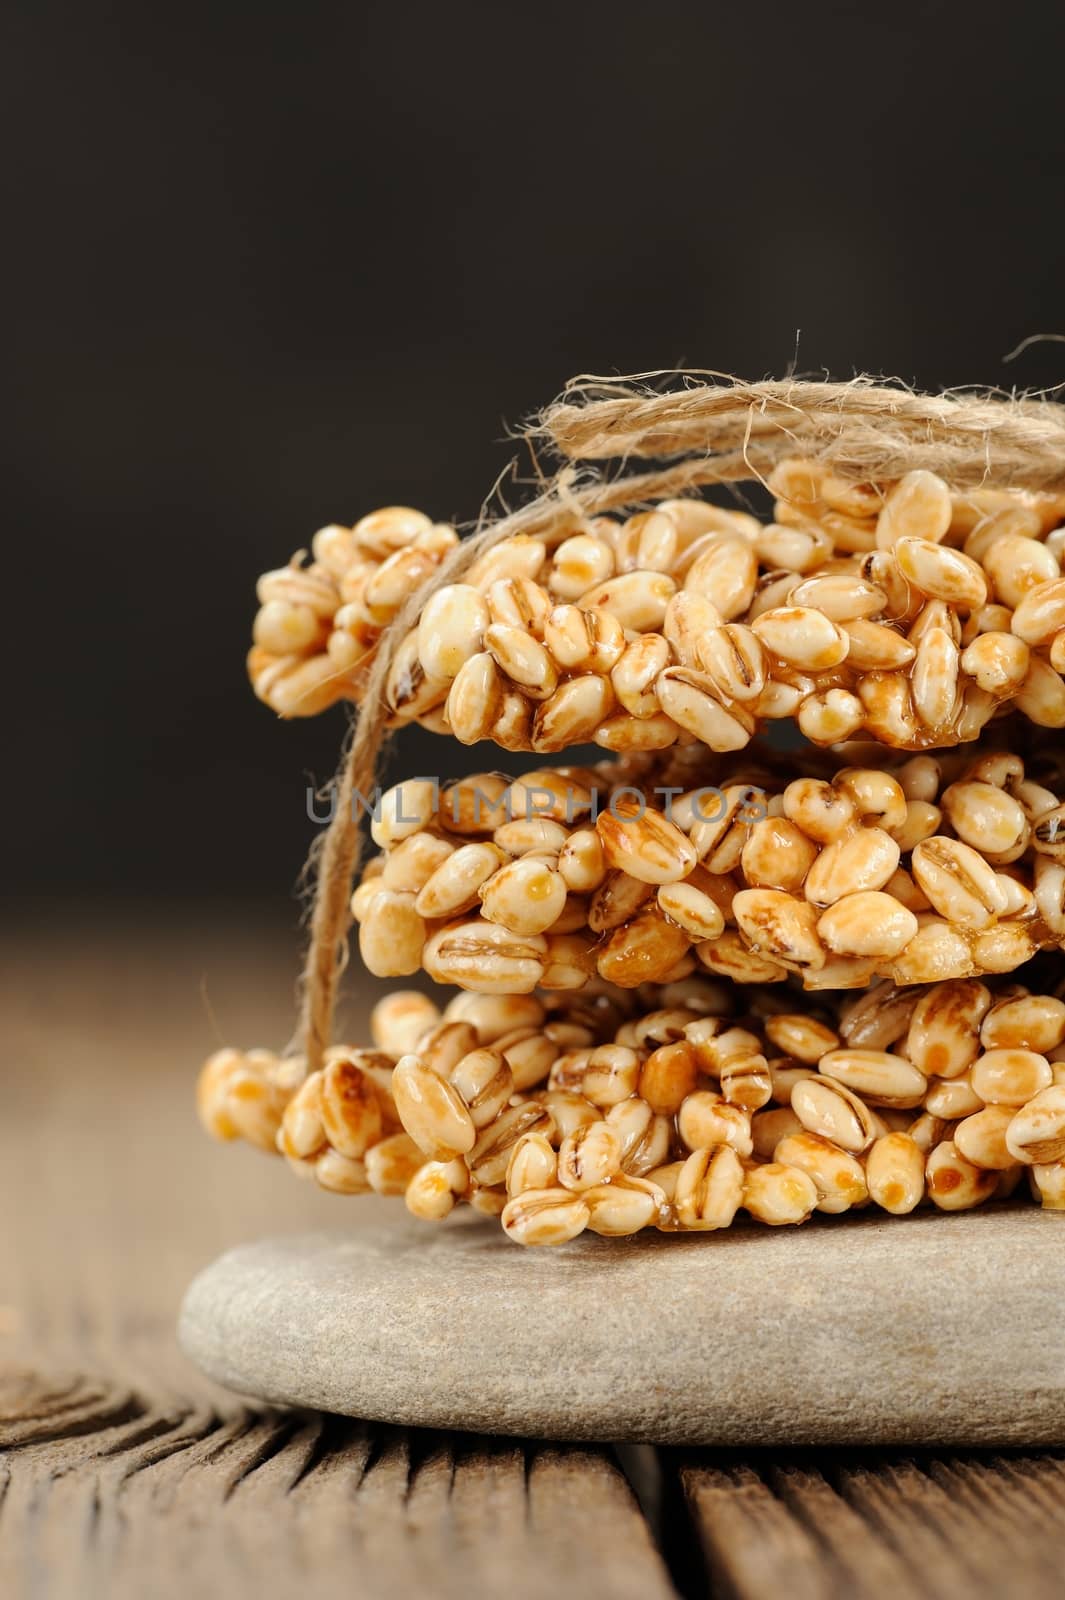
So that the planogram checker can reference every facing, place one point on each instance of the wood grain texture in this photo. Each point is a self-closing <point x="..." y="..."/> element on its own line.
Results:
<point x="105" y="1499"/>
<point x="124" y="1473"/>
<point x="982" y="1526"/>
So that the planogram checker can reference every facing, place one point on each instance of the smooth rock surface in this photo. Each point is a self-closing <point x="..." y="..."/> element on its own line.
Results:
<point x="933" y="1329"/>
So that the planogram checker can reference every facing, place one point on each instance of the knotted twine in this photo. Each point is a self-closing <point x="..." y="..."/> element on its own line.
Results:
<point x="705" y="433"/>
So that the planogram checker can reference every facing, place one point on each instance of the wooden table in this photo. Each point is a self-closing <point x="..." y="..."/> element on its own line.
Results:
<point x="126" y="1474"/>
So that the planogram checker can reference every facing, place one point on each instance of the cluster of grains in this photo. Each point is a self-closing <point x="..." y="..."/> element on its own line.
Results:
<point x="319" y="623"/>
<point x="907" y="613"/>
<point x="917" y="869"/>
<point x="672" y="1108"/>
<point x="700" y="977"/>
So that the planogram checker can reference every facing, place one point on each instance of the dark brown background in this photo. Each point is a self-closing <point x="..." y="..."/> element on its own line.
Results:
<point x="270" y="266"/>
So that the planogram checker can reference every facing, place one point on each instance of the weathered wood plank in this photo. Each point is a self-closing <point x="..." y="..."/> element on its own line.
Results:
<point x="753" y="1545"/>
<point x="178" y="1504"/>
<point x="123" y="1472"/>
<point x="970" y="1521"/>
<point x="974" y="1526"/>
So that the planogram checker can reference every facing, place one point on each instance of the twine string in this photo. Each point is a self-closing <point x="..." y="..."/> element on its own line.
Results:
<point x="706" y="433"/>
<point x="861" y="430"/>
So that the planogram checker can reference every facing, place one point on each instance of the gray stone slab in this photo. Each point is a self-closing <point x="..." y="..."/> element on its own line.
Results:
<point x="932" y="1329"/>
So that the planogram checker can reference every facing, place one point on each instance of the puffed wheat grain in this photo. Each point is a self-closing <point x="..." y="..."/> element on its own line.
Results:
<point x="545" y="1216"/>
<point x="895" y="1173"/>
<point x="837" y="1175"/>
<point x="779" y="1194"/>
<point x="955" y="1184"/>
<point x="708" y="1188"/>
